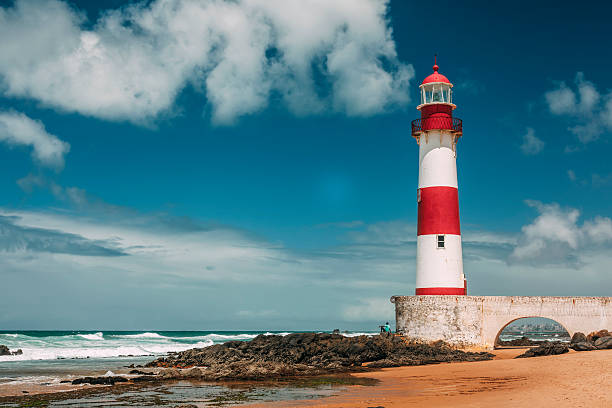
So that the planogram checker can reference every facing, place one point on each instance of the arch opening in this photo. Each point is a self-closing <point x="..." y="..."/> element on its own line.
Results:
<point x="531" y="331"/>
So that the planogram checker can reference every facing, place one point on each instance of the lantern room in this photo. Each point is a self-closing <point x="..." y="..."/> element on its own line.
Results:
<point x="436" y="89"/>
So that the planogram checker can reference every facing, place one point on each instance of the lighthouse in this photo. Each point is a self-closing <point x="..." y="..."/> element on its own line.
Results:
<point x="439" y="257"/>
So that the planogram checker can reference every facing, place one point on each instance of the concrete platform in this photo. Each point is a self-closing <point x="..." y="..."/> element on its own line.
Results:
<point x="477" y="321"/>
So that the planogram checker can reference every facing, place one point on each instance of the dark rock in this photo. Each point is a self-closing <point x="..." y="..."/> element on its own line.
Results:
<point x="523" y="341"/>
<point x="592" y="337"/>
<point x="583" y="346"/>
<point x="578" y="337"/>
<point x="4" y="351"/>
<point x="141" y="372"/>
<point x="547" y="349"/>
<point x="17" y="353"/>
<point x="301" y="354"/>
<point x="99" y="380"/>
<point x="603" y="343"/>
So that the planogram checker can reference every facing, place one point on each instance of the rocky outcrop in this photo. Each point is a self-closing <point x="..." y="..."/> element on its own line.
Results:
<point x="578" y="338"/>
<point x="4" y="351"/>
<point x="523" y="341"/>
<point x="302" y="354"/>
<point x="110" y="380"/>
<point x="603" y="343"/>
<point x="546" y="349"/>
<point x="592" y="337"/>
<point x="600" y="340"/>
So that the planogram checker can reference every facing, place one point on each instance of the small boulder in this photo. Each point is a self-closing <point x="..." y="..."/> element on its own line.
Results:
<point x="603" y="343"/>
<point x="17" y="353"/>
<point x="599" y="334"/>
<point x="583" y="346"/>
<point x="194" y="372"/>
<point x="547" y="349"/>
<point x="4" y="351"/>
<point x="170" y="374"/>
<point x="578" y="337"/>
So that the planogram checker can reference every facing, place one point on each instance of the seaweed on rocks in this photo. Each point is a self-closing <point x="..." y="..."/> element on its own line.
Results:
<point x="307" y="354"/>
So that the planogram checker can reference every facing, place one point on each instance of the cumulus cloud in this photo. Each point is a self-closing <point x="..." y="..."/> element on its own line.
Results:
<point x="588" y="111"/>
<point x="131" y="64"/>
<point x="556" y="236"/>
<point x="531" y="143"/>
<point x="17" y="129"/>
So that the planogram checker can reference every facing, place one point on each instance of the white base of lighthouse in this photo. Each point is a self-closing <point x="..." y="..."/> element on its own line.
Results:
<point x="439" y="267"/>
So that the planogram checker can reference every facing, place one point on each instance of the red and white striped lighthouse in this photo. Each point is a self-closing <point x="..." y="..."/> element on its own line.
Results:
<point x="439" y="258"/>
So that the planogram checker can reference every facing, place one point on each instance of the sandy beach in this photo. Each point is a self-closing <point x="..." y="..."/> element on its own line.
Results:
<point x="569" y="380"/>
<point x="575" y="379"/>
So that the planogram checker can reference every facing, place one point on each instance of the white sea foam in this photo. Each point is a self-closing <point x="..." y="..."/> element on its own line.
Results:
<point x="94" y="336"/>
<point x="147" y="335"/>
<point x="53" y="353"/>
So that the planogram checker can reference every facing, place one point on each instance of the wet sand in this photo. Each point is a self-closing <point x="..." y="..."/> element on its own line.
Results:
<point x="569" y="380"/>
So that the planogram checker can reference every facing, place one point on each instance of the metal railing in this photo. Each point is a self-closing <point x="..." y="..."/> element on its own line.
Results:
<point x="435" y="123"/>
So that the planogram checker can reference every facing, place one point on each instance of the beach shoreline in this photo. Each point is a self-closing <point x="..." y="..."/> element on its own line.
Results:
<point x="572" y="379"/>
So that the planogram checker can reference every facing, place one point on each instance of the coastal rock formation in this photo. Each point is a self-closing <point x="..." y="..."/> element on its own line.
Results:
<point x="4" y="351"/>
<point x="299" y="354"/>
<point x="578" y="338"/>
<point x="592" y="337"/>
<point x="603" y="343"/>
<point x="111" y="380"/>
<point x="523" y="341"/>
<point x="546" y="349"/>
<point x="600" y="340"/>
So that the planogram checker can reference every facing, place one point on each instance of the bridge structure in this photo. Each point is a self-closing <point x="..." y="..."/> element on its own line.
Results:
<point x="477" y="321"/>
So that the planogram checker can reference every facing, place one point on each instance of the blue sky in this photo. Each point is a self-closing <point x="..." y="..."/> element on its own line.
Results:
<point x="245" y="165"/>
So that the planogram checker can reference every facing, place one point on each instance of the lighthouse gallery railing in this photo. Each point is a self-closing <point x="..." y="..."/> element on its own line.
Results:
<point x="433" y="123"/>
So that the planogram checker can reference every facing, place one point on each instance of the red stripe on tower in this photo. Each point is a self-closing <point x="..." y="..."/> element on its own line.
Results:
<point x="439" y="211"/>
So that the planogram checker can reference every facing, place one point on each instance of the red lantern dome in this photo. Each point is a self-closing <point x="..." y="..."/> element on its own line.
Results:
<point x="435" y="77"/>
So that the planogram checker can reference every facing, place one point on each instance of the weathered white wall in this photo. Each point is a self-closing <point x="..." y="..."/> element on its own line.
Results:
<point x="469" y="321"/>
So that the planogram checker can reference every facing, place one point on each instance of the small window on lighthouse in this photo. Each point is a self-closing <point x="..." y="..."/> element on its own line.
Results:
<point x="440" y="241"/>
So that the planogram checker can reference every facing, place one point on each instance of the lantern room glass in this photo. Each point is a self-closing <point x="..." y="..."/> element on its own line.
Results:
<point x="436" y="93"/>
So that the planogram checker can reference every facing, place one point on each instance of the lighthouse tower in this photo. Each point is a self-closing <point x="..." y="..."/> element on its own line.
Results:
<point x="439" y="259"/>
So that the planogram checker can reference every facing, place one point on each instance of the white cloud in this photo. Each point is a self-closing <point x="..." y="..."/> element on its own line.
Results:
<point x="134" y="61"/>
<point x="531" y="143"/>
<point x="571" y="175"/>
<point x="589" y="112"/>
<point x="555" y="236"/>
<point x="18" y="129"/>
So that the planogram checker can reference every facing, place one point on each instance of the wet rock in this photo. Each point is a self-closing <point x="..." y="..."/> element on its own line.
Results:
<point x="170" y="374"/>
<point x="603" y="343"/>
<point x="301" y="354"/>
<point x="18" y="352"/>
<point x="192" y="373"/>
<point x="547" y="349"/>
<point x="578" y="337"/>
<point x="583" y="346"/>
<point x="4" y="351"/>
<point x="139" y="372"/>
<point x="111" y="380"/>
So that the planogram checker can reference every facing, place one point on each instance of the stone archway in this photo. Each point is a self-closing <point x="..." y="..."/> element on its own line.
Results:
<point x="499" y="333"/>
<point x="475" y="321"/>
